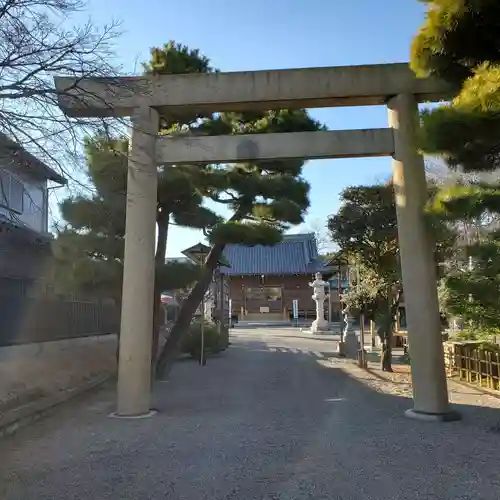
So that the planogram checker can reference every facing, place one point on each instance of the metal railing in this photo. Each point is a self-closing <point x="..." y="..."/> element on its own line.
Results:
<point x="24" y="320"/>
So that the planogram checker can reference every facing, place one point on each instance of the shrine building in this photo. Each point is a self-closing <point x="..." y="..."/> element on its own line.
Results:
<point x="264" y="280"/>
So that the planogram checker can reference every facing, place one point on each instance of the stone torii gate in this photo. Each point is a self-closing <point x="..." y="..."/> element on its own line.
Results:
<point x="143" y="98"/>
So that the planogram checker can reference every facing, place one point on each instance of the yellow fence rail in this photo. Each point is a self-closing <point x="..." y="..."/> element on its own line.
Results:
<point x="473" y="364"/>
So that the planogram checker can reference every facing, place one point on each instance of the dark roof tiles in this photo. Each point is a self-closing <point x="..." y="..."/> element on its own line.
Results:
<point x="296" y="254"/>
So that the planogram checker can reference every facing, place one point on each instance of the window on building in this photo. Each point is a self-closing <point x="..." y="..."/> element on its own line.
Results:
<point x="11" y="192"/>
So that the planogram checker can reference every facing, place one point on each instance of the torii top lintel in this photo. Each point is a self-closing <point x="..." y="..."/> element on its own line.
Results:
<point x="247" y="90"/>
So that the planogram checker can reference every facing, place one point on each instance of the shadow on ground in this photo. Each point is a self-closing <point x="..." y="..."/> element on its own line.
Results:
<point x="255" y="423"/>
<point x="331" y="337"/>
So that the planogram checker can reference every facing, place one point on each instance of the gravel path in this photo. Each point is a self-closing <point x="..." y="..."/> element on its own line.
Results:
<point x="273" y="418"/>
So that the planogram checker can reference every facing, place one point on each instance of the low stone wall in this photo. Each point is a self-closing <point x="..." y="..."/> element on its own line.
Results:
<point x="35" y="372"/>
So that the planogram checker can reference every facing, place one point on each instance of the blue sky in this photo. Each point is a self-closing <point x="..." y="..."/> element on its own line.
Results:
<point x="266" y="34"/>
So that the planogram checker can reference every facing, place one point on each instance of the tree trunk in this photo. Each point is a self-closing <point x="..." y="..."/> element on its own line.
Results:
<point x="188" y="309"/>
<point x="386" y="356"/>
<point x="161" y="250"/>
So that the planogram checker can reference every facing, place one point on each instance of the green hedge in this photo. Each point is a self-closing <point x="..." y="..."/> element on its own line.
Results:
<point x="214" y="341"/>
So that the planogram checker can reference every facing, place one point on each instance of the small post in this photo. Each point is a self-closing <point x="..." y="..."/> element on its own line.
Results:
<point x="362" y="352"/>
<point x="329" y="305"/>
<point x="339" y="290"/>
<point x="295" y="311"/>
<point x="220" y="301"/>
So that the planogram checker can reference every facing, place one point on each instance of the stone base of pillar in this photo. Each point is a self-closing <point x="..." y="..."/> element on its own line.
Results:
<point x="450" y="416"/>
<point x="149" y="414"/>
<point x="320" y="325"/>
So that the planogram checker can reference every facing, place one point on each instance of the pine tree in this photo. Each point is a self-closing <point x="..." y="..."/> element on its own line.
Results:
<point x="265" y="199"/>
<point x="180" y="201"/>
<point x="366" y="231"/>
<point x="464" y="131"/>
<point x="460" y="42"/>
<point x="90" y="244"/>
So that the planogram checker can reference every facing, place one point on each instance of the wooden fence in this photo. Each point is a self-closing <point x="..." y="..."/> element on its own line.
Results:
<point x="474" y="364"/>
<point x="24" y="320"/>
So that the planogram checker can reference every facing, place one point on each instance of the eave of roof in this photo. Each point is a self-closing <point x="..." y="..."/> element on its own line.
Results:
<point x="29" y="161"/>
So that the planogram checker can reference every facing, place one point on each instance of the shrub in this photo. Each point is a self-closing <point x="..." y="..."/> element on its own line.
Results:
<point x="213" y="341"/>
<point x="475" y="335"/>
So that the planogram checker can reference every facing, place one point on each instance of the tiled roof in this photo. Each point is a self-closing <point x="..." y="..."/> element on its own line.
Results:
<point x="296" y="254"/>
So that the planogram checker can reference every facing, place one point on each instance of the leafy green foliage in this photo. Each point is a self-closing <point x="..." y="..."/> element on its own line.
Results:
<point x="465" y="134"/>
<point x="213" y="341"/>
<point x="366" y="293"/>
<point x="439" y="47"/>
<point x="173" y="59"/>
<point x="472" y="294"/>
<point x="365" y="229"/>
<point x="89" y="248"/>
<point x="245" y="233"/>
<point x="465" y="202"/>
<point x="264" y="198"/>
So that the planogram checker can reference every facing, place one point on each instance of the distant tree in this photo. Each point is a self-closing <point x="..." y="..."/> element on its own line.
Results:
<point x="365" y="229"/>
<point x="323" y="242"/>
<point x="471" y="292"/>
<point x="470" y="284"/>
<point x="470" y="230"/>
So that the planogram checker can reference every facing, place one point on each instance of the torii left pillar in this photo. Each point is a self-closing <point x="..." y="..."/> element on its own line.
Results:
<point x="134" y="369"/>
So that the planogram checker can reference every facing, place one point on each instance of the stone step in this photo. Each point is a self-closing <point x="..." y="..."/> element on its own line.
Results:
<point x="263" y="317"/>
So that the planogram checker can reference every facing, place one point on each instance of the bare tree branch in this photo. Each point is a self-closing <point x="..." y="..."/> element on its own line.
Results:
<point x="319" y="229"/>
<point x="38" y="42"/>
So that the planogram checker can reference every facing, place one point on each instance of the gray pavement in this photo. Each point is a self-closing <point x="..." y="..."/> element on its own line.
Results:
<point x="272" y="418"/>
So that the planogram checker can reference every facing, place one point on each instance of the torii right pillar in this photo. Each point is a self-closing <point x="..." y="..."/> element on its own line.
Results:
<point x="430" y="393"/>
